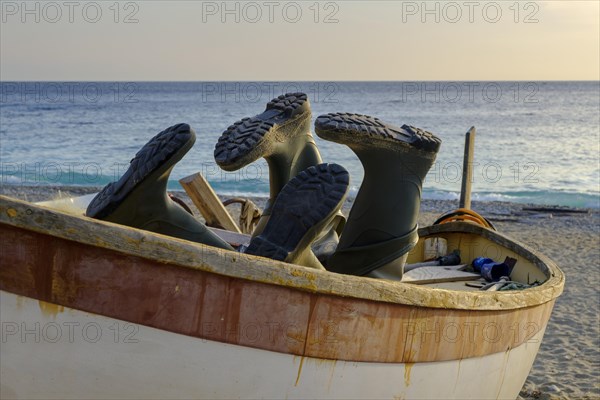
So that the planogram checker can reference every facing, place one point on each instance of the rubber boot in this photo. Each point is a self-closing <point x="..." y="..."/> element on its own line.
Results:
<point x="139" y="198"/>
<point x="281" y="135"/>
<point x="382" y="225"/>
<point x="304" y="208"/>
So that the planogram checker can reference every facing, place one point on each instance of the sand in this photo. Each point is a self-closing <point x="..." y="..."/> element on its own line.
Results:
<point x="568" y="363"/>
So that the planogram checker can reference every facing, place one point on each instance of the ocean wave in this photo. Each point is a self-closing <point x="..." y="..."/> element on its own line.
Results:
<point x="554" y="198"/>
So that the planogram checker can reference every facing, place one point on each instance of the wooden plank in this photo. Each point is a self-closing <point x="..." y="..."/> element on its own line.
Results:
<point x="207" y="201"/>
<point x="467" y="177"/>
<point x="410" y="267"/>
<point x="556" y="210"/>
<point x="423" y="275"/>
<point x="233" y="238"/>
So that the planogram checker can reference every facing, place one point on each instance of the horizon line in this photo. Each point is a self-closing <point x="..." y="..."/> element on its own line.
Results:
<point x="301" y="80"/>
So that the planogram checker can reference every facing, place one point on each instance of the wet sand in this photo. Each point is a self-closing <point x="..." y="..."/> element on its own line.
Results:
<point x="568" y="363"/>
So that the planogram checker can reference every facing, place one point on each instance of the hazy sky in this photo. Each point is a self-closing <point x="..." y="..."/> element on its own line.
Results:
<point x="301" y="40"/>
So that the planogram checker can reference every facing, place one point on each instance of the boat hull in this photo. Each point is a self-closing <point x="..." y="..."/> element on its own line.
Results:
<point x="49" y="351"/>
<point x="91" y="309"/>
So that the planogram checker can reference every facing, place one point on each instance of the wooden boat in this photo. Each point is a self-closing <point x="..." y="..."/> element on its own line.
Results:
<point x="91" y="309"/>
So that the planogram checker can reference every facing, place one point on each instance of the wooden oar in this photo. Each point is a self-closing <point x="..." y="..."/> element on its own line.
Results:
<point x="467" y="177"/>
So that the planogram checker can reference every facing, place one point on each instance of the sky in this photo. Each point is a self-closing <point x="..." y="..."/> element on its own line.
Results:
<point x="299" y="40"/>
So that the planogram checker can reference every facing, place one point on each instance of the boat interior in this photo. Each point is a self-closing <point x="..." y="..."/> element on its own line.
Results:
<point x="470" y="241"/>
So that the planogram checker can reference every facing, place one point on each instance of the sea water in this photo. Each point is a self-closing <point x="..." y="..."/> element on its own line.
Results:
<point x="536" y="142"/>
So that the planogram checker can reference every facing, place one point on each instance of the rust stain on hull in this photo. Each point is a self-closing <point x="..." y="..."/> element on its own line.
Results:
<point x="49" y="309"/>
<point x="407" y="371"/>
<point x="331" y="373"/>
<point x="299" y="370"/>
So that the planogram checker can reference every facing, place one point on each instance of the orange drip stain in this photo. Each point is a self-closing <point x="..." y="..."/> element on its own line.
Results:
<point x="49" y="309"/>
<point x="457" y="376"/>
<point x="331" y="374"/>
<point x="19" y="304"/>
<point x="504" y="367"/>
<point x="299" y="370"/>
<point x="407" y="370"/>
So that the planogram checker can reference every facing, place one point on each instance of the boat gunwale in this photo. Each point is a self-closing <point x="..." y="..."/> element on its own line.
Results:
<point x="173" y="251"/>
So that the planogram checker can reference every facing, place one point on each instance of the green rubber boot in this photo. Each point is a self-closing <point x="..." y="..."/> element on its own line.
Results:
<point x="382" y="225"/>
<point x="305" y="207"/>
<point x="282" y="136"/>
<point x="139" y="198"/>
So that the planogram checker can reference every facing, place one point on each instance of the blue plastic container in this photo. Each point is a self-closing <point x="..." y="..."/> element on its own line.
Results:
<point x="492" y="272"/>
<point x="479" y="262"/>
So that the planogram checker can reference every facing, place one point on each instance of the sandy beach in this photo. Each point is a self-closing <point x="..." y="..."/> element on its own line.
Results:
<point x="568" y="363"/>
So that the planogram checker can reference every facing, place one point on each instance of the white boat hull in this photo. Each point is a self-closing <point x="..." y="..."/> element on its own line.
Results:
<point x="48" y="351"/>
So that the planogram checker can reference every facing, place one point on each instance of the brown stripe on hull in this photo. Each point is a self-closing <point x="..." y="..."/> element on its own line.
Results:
<point x="469" y="238"/>
<point x="206" y="305"/>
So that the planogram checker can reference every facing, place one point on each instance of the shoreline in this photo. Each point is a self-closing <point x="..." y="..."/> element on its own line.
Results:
<point x="567" y="363"/>
<point x="37" y="193"/>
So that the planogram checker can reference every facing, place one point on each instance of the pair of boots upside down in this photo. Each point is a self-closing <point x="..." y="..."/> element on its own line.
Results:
<point x="302" y="222"/>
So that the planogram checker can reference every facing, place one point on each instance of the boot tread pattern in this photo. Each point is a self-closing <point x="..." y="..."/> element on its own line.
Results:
<point x="374" y="127"/>
<point x="307" y="200"/>
<point x="148" y="159"/>
<point x="287" y="102"/>
<point x="240" y="139"/>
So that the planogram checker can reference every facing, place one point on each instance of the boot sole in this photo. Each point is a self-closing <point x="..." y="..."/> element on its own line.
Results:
<point x="251" y="138"/>
<point x="303" y="208"/>
<point x="363" y="130"/>
<point x="158" y="155"/>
